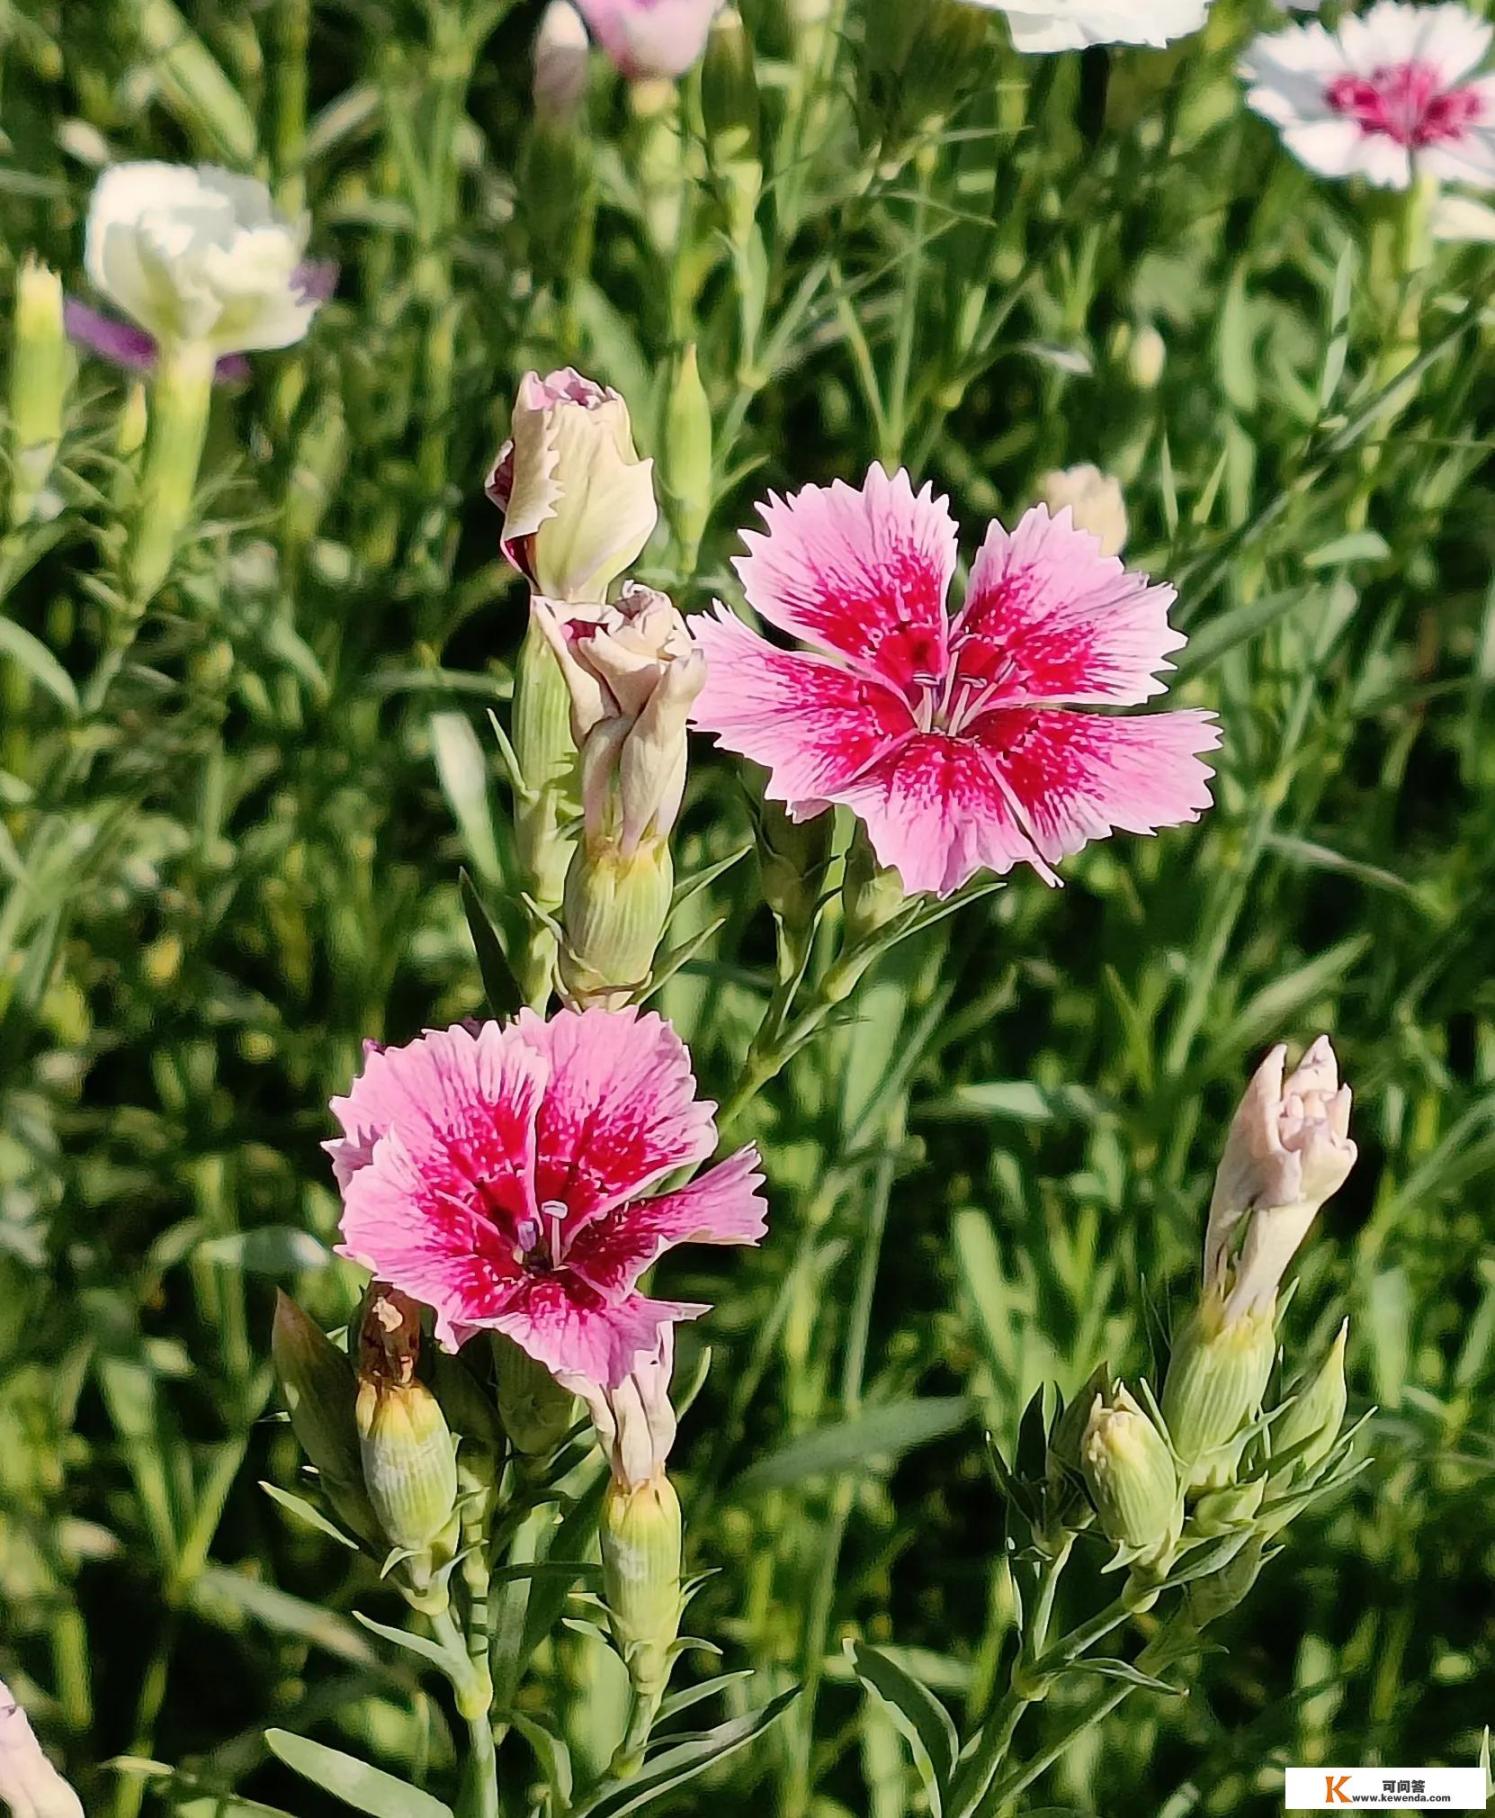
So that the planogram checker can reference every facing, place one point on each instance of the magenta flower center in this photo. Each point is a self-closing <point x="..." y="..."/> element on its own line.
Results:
<point x="1405" y="102"/>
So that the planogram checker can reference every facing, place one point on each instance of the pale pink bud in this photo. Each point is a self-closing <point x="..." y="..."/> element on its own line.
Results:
<point x="1288" y="1151"/>
<point x="562" y="54"/>
<point x="1094" y="501"/>
<point x="30" y="1786"/>
<point x="635" y="1422"/>
<point x="578" y="503"/>
<point x="650" y="38"/>
<point x="633" y="672"/>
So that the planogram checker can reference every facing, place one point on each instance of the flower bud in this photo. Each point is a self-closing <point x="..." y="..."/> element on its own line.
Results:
<point x="30" y="1787"/>
<point x="635" y="1422"/>
<point x="1147" y="357"/>
<point x="791" y="862"/>
<point x="614" y="913"/>
<point x="1288" y="1151"/>
<point x="180" y="398"/>
<point x="1094" y="501"/>
<point x="409" y="1458"/>
<point x="1312" y="1420"/>
<point x="536" y="1410"/>
<point x="871" y="894"/>
<point x="1208" y="1599"/>
<point x="41" y="371"/>
<point x="1232" y="1506"/>
<point x="1216" y="1378"/>
<point x="1066" y="1508"/>
<point x="317" y="1382"/>
<point x="563" y="55"/>
<point x="640" y="1536"/>
<point x="730" y="109"/>
<point x="687" y="449"/>
<point x="1130" y="1475"/>
<point x="578" y="503"/>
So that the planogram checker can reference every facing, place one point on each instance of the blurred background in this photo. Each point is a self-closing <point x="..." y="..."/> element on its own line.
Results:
<point x="237" y="858"/>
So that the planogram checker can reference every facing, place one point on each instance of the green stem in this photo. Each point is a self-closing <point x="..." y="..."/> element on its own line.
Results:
<point x="181" y="396"/>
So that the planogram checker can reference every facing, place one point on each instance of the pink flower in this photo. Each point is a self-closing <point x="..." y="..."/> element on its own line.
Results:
<point x="650" y="37"/>
<point x="953" y="740"/>
<point x="1388" y="96"/>
<point x="502" y="1176"/>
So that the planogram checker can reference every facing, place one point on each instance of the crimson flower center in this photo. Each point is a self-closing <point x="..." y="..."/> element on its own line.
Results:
<point x="1405" y="102"/>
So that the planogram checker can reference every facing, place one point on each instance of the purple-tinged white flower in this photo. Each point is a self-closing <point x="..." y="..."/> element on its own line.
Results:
<point x="1390" y="96"/>
<point x="200" y="256"/>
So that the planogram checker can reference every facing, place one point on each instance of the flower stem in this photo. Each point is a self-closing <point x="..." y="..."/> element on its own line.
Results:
<point x="180" y="399"/>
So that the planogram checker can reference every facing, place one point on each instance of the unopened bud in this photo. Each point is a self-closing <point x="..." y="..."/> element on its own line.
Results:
<point x="1304" y="1436"/>
<point x="536" y="1411"/>
<point x="1208" y="1599"/>
<point x="1216" y="1378"/>
<point x="408" y="1455"/>
<point x="871" y="894"/>
<point x="318" y="1384"/>
<point x="640" y="1537"/>
<point x="1147" y="357"/>
<point x="1130" y="1475"/>
<point x="614" y="912"/>
<point x="181" y="396"/>
<point x="730" y="109"/>
<point x="563" y="55"/>
<point x="1224" y="1510"/>
<point x="791" y="861"/>
<point x="1094" y="501"/>
<point x="41" y="371"/>
<point x="1067" y="1510"/>
<point x="687" y="451"/>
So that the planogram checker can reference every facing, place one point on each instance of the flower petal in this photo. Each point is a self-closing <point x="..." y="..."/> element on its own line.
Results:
<point x="464" y="1108"/>
<point x="619" y="1112"/>
<point x="935" y="809"/>
<point x="723" y="1207"/>
<point x="1049" y="616"/>
<point x="863" y="574"/>
<point x="416" y="1224"/>
<point x="1076" y="777"/>
<point x="813" y="724"/>
<point x="567" y="1326"/>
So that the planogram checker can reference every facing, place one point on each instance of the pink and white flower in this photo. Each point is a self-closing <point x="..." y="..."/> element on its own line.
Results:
<point x="503" y="1176"/>
<point x="1390" y="96"/>
<point x="956" y="741"/>
<point x="645" y="38"/>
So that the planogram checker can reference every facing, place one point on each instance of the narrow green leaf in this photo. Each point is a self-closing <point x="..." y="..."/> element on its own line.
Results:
<point x="922" y="1720"/>
<point x="500" y="987"/>
<point x="356" y="1783"/>
<point x="307" y="1512"/>
<point x="672" y="1767"/>
<point x="34" y="657"/>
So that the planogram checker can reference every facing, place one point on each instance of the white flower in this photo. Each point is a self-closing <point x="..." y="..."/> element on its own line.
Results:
<point x="195" y="254"/>
<point x="1390" y="96"/>
<point x="1059" y="25"/>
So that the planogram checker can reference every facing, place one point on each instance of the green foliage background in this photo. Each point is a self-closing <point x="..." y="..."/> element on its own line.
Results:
<point x="239" y="859"/>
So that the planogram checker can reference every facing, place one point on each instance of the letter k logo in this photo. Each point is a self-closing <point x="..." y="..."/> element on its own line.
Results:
<point x="1334" y="1793"/>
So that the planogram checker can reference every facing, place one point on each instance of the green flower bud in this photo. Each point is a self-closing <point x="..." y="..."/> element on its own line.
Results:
<point x="318" y="1384"/>
<point x="641" y="1540"/>
<point x="409" y="1460"/>
<point x="614" y="912"/>
<point x="1208" y="1599"/>
<point x="536" y="1411"/>
<point x="687" y="451"/>
<point x="41" y="371"/>
<point x="1216" y="1378"/>
<point x="729" y="106"/>
<point x="1305" y="1434"/>
<point x="1130" y="1475"/>
<point x="406" y="1448"/>
<point x="791" y="862"/>
<point x="871" y="894"/>
<point x="1221" y="1511"/>
<point x="1067" y="1509"/>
